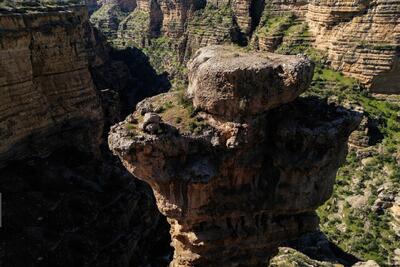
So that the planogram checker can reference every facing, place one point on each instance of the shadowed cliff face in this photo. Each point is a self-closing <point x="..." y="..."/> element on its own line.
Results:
<point x="236" y="185"/>
<point x="45" y="85"/>
<point x="69" y="209"/>
<point x="359" y="38"/>
<point x="52" y="62"/>
<point x="66" y="201"/>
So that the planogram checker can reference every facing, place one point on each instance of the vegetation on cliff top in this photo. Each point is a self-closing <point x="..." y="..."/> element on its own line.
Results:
<point x="213" y="20"/>
<point x="163" y="56"/>
<point x="272" y="25"/>
<point x="356" y="228"/>
<point x="10" y="4"/>
<point x="134" y="29"/>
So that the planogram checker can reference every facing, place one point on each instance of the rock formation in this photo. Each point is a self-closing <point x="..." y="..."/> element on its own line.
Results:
<point x="48" y="60"/>
<point x="360" y="38"/>
<point x="236" y="180"/>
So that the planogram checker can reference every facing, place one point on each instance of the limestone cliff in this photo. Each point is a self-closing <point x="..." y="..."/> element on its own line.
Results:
<point x="360" y="38"/>
<point x="66" y="201"/>
<point x="47" y="94"/>
<point x="245" y="167"/>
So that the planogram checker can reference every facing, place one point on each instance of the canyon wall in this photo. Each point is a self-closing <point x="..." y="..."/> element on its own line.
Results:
<point x="66" y="200"/>
<point x="241" y="166"/>
<point x="47" y="94"/>
<point x="359" y="38"/>
<point x="362" y="39"/>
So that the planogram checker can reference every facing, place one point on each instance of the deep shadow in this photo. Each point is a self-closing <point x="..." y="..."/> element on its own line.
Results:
<point x="70" y="209"/>
<point x="127" y="71"/>
<point x="256" y="10"/>
<point x="317" y="246"/>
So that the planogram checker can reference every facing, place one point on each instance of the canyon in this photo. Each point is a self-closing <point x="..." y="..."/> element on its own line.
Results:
<point x="239" y="158"/>
<point x="359" y="38"/>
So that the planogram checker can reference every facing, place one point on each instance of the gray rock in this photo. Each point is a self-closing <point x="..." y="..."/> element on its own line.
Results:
<point x="226" y="81"/>
<point x="151" y="123"/>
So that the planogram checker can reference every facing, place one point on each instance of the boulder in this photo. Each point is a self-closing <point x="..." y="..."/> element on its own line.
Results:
<point x="229" y="82"/>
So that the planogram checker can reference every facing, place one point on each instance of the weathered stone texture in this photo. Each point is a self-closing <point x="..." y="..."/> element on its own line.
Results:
<point x="233" y="191"/>
<point x="247" y="83"/>
<point x="67" y="202"/>
<point x="46" y="90"/>
<point x="361" y="38"/>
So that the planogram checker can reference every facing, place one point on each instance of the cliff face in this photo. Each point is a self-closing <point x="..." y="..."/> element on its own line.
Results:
<point x="235" y="181"/>
<point x="67" y="202"/>
<point x="45" y="84"/>
<point x="360" y="38"/>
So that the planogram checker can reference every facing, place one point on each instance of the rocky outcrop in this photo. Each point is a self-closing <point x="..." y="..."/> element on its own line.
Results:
<point x="234" y="185"/>
<point x="289" y="257"/>
<point x="360" y="38"/>
<point x="108" y="17"/>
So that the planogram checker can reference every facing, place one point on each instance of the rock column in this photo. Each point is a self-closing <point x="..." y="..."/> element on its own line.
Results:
<point x="241" y="167"/>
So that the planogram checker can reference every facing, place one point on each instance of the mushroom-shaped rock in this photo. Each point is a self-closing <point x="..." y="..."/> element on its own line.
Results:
<point x="227" y="81"/>
<point x="232" y="190"/>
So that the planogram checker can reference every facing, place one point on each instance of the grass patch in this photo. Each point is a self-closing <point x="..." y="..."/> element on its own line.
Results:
<point x="274" y="25"/>
<point x="163" y="56"/>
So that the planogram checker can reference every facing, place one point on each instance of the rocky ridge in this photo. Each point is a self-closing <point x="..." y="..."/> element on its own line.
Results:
<point x="244" y="184"/>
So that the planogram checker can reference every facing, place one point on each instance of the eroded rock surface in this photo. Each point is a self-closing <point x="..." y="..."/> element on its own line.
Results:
<point x="45" y="85"/>
<point x="234" y="190"/>
<point x="232" y="83"/>
<point x="359" y="38"/>
<point x="66" y="200"/>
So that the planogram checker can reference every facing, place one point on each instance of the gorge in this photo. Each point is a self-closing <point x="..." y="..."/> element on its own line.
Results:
<point x="359" y="38"/>
<point x="239" y="153"/>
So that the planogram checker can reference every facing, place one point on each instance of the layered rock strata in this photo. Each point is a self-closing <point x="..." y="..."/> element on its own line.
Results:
<point x="66" y="200"/>
<point x="47" y="96"/>
<point x="360" y="38"/>
<point x="236" y="181"/>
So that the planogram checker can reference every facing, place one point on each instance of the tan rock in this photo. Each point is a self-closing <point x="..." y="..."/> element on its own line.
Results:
<point x="228" y="82"/>
<point x="47" y="96"/>
<point x="360" y="39"/>
<point x="369" y="263"/>
<point x="232" y="192"/>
